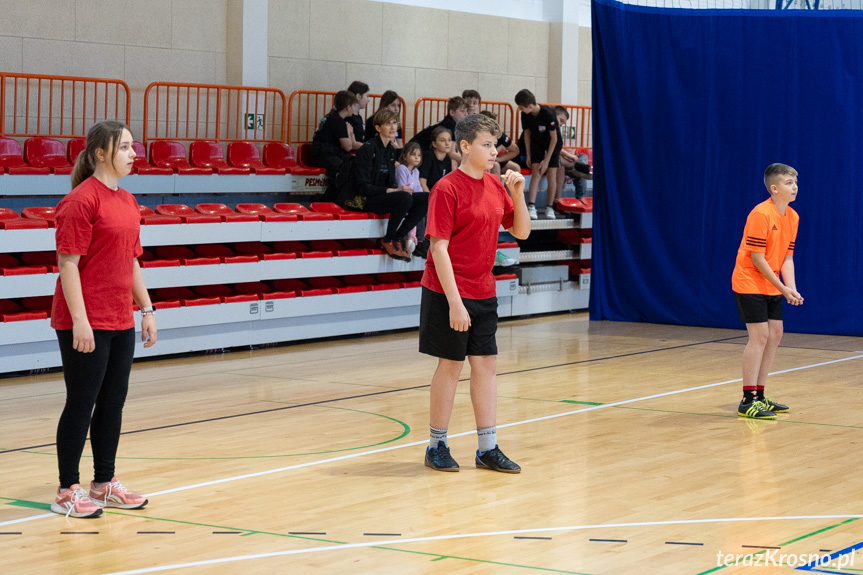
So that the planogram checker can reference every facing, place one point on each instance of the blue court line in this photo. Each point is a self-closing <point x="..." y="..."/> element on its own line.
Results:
<point x="811" y="566"/>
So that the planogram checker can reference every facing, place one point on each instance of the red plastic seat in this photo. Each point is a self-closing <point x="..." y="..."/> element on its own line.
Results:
<point x="187" y="214"/>
<point x="171" y="154"/>
<point x="12" y="159"/>
<point x="225" y="213"/>
<point x="11" y="311"/>
<point x="47" y="153"/>
<point x="186" y="256"/>
<point x="587" y="152"/>
<point x="74" y="147"/>
<point x="575" y="205"/>
<point x="47" y="259"/>
<point x="263" y="290"/>
<point x="38" y="303"/>
<point x="300" y="288"/>
<point x="336" y="248"/>
<point x="11" y="266"/>
<point x="148" y="260"/>
<point x="150" y="218"/>
<point x="225" y="293"/>
<point x="209" y="154"/>
<point x="278" y="155"/>
<point x="143" y="167"/>
<point x="262" y="251"/>
<point x="367" y="244"/>
<point x="45" y="214"/>
<point x="302" y="212"/>
<point x="360" y="280"/>
<point x="184" y="295"/>
<point x="301" y="249"/>
<point x="10" y="220"/>
<point x="265" y="213"/>
<point x="339" y="212"/>
<point x="246" y="155"/>
<point x="304" y="155"/>
<point x="224" y="253"/>
<point x="335" y="284"/>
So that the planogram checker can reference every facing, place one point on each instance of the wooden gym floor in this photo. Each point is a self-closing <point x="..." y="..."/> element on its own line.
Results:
<point x="308" y="459"/>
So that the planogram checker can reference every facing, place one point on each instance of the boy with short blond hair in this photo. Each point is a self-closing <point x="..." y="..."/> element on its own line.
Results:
<point x="763" y="276"/>
<point x="458" y="310"/>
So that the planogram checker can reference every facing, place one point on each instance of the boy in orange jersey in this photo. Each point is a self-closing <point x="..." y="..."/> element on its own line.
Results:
<point x="764" y="261"/>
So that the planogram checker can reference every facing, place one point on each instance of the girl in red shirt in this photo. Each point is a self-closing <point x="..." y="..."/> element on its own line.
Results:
<point x="97" y="234"/>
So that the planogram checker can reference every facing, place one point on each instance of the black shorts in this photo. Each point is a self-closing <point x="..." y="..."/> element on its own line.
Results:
<point x="538" y="150"/>
<point x="438" y="339"/>
<point x="758" y="308"/>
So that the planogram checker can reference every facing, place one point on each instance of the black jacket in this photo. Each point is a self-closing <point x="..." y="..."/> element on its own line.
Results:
<point x="372" y="171"/>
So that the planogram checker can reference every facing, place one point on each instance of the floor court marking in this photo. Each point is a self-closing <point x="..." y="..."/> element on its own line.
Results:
<point x="392" y="542"/>
<point x="462" y="434"/>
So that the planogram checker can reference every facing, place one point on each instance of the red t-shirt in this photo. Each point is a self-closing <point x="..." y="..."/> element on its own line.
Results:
<point x="103" y="227"/>
<point x="468" y="212"/>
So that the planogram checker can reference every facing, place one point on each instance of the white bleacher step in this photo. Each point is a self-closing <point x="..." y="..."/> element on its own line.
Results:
<point x="545" y="256"/>
<point x="546" y="287"/>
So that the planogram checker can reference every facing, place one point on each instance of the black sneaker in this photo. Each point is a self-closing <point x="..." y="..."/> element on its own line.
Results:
<point x="755" y="410"/>
<point x="495" y="460"/>
<point x="438" y="458"/>
<point x="773" y="406"/>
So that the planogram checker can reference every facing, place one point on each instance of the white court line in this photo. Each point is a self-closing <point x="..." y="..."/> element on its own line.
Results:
<point x="468" y="535"/>
<point x="472" y="432"/>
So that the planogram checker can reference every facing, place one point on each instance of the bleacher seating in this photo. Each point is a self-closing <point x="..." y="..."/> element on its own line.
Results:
<point x="143" y="167"/>
<point x="47" y="153"/>
<point x="340" y="213"/>
<point x="302" y="213"/>
<point x="225" y="213"/>
<point x="150" y="218"/>
<point x="171" y="154"/>
<point x="45" y="214"/>
<point x="265" y="213"/>
<point x="278" y="155"/>
<point x="12" y="159"/>
<point x="10" y="220"/>
<point x="74" y="147"/>
<point x="209" y="154"/>
<point x="246" y="155"/>
<point x="187" y="214"/>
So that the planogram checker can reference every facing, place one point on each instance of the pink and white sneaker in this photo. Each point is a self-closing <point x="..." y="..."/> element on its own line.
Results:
<point x="115" y="494"/>
<point x="74" y="502"/>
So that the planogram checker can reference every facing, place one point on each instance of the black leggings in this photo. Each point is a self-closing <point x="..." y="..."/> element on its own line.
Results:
<point x="98" y="379"/>
<point x="406" y="210"/>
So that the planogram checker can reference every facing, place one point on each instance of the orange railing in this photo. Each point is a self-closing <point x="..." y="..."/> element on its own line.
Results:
<point x="576" y="132"/>
<point x="307" y="107"/>
<point x="59" y="106"/>
<point x="428" y="111"/>
<point x="179" y="111"/>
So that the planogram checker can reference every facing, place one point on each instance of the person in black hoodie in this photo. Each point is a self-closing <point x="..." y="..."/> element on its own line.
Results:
<point x="372" y="187"/>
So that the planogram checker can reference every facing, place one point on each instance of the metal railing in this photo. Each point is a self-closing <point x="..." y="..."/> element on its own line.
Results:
<point x="59" y="106"/>
<point x="178" y="111"/>
<point x="307" y="107"/>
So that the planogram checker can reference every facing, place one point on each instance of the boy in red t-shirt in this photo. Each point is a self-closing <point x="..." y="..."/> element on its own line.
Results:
<point x="766" y="253"/>
<point x="458" y="313"/>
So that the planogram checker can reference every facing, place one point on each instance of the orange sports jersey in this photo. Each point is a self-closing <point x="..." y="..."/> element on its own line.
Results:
<point x="771" y="233"/>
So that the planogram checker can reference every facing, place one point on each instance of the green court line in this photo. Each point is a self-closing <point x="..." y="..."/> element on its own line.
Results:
<point x="485" y="561"/>
<point x="288" y="536"/>
<point x="405" y="431"/>
<point x="27" y="504"/>
<point x="735" y="416"/>
<point x="789" y="542"/>
<point x="581" y="402"/>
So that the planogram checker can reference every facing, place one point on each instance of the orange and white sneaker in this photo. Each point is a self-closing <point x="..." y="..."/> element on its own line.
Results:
<point x="115" y="494"/>
<point x="74" y="502"/>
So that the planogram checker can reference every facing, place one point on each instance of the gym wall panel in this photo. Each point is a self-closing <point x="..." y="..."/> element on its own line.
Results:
<point x="124" y="22"/>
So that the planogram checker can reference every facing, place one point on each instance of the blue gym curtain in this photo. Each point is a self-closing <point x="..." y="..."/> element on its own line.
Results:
<point x="689" y="108"/>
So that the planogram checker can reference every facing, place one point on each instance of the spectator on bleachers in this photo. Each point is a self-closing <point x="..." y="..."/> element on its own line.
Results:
<point x="334" y="139"/>
<point x="391" y="101"/>
<point x="407" y="173"/>
<point x="98" y="243"/>
<point x="506" y="150"/>
<point x="456" y="110"/>
<point x="436" y="160"/>
<point x="572" y="165"/>
<point x="372" y="187"/>
<point x="541" y="139"/>
<point x="472" y="100"/>
<point x="361" y="91"/>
